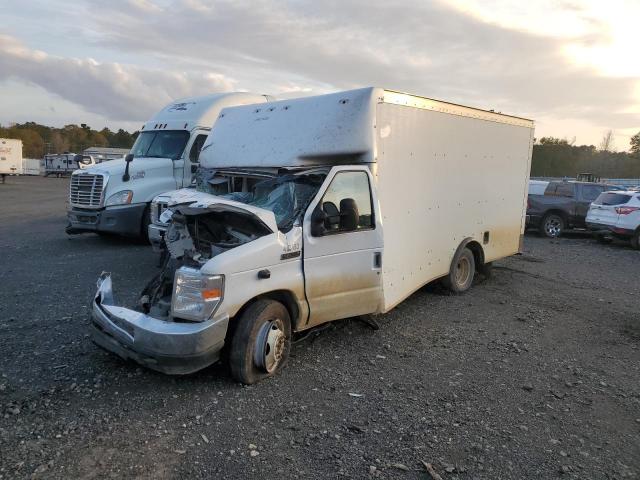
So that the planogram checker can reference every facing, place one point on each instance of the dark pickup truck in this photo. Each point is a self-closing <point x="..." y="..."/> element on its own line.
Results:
<point x="564" y="205"/>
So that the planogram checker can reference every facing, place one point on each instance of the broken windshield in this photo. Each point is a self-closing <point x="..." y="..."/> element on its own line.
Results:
<point x="286" y="195"/>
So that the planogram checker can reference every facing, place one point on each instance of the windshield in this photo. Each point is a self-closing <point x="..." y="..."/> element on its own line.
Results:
<point x="286" y="195"/>
<point x="161" y="144"/>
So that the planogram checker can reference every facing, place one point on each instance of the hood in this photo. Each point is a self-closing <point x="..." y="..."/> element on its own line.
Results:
<point x="194" y="202"/>
<point x="139" y="167"/>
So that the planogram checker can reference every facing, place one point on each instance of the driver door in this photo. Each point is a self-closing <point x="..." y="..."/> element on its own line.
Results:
<point x="343" y="260"/>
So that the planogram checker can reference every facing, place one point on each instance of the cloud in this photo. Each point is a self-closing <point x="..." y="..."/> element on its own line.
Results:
<point x="117" y="91"/>
<point x="427" y="48"/>
<point x="456" y="50"/>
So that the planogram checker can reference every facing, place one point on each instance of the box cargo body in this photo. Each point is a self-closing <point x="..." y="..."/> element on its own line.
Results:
<point x="10" y="156"/>
<point x="31" y="166"/>
<point x="367" y="195"/>
<point x="443" y="172"/>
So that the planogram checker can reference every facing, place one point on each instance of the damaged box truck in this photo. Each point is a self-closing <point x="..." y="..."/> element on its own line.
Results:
<point x="333" y="206"/>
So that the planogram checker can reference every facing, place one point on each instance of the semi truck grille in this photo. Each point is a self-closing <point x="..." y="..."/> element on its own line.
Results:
<point x="85" y="190"/>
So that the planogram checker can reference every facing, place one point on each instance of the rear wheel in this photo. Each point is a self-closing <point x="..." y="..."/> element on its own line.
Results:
<point x="635" y="240"/>
<point x="463" y="268"/>
<point x="552" y="225"/>
<point x="261" y="342"/>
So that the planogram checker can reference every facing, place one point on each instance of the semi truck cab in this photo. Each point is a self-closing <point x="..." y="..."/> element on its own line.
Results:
<point x="114" y="197"/>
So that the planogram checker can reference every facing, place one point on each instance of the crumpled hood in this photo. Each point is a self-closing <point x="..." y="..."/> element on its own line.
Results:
<point x="193" y="199"/>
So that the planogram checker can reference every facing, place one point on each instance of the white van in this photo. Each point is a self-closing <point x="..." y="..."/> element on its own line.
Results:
<point x="114" y="196"/>
<point x="367" y="195"/>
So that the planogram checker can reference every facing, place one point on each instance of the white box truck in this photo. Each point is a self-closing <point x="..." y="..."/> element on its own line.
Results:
<point x="10" y="157"/>
<point x="366" y="196"/>
<point x="114" y="196"/>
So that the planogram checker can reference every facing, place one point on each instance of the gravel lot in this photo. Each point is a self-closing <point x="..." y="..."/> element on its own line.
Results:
<point x="535" y="373"/>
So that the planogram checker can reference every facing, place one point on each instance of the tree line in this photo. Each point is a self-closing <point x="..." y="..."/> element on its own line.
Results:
<point x="552" y="157"/>
<point x="38" y="140"/>
<point x="555" y="157"/>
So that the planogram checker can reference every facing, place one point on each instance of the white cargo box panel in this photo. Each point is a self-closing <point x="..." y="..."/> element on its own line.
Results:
<point x="10" y="156"/>
<point x="31" y="166"/>
<point x="334" y="128"/>
<point x="446" y="173"/>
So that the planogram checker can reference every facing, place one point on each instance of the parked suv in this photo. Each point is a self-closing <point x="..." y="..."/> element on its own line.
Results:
<point x="564" y="205"/>
<point x="616" y="214"/>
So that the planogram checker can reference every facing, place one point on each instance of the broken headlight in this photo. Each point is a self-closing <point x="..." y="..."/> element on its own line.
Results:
<point x="195" y="296"/>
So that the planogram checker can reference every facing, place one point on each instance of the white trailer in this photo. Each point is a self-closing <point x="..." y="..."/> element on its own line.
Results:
<point x="31" y="166"/>
<point x="60" y="164"/>
<point x="372" y="194"/>
<point x="10" y="157"/>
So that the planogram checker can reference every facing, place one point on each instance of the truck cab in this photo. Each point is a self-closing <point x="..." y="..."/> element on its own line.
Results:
<point x="115" y="196"/>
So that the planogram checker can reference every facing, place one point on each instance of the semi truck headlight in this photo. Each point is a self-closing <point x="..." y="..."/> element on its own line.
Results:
<point x="120" y="198"/>
<point x="196" y="296"/>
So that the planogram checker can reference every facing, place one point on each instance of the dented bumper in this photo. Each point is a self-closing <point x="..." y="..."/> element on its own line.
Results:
<point x="170" y="347"/>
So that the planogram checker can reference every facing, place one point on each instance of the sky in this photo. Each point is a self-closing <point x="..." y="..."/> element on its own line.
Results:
<point x="571" y="65"/>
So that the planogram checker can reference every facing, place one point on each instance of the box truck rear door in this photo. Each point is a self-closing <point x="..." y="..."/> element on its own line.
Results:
<point x="342" y="259"/>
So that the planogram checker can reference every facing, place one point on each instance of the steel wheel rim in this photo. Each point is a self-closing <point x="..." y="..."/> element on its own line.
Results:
<point x="463" y="269"/>
<point x="270" y="345"/>
<point x="553" y="226"/>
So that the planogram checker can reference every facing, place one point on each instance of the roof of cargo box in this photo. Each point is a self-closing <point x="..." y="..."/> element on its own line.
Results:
<point x="337" y="128"/>
<point x="187" y="113"/>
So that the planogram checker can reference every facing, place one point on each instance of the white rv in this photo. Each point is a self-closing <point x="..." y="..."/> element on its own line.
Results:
<point x="341" y="205"/>
<point x="114" y="196"/>
<point x="10" y="157"/>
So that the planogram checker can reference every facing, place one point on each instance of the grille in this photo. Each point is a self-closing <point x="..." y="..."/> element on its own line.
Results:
<point x="156" y="210"/>
<point x="86" y="190"/>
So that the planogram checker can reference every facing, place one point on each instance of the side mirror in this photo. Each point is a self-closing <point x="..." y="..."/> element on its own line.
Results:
<point x="318" y="218"/>
<point x="128" y="159"/>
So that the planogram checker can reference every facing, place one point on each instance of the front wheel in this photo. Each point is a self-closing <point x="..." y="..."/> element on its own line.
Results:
<point x="261" y="342"/>
<point x="635" y="240"/>
<point x="552" y="225"/>
<point x="463" y="269"/>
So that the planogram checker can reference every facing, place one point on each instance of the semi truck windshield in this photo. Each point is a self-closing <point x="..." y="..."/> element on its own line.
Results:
<point x="161" y="144"/>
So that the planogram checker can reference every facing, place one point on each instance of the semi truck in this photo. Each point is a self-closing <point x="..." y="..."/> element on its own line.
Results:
<point x="10" y="157"/>
<point x="113" y="197"/>
<point x="318" y="209"/>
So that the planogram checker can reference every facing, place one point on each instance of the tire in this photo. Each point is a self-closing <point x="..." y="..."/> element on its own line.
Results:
<point x="635" y="240"/>
<point x="463" y="269"/>
<point x="261" y="342"/>
<point x="144" y="225"/>
<point x="552" y="225"/>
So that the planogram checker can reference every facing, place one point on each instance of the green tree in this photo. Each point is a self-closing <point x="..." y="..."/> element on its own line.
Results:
<point x="635" y="144"/>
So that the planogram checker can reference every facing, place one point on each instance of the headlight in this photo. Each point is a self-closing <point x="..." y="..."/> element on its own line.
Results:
<point x="196" y="296"/>
<point x="120" y="198"/>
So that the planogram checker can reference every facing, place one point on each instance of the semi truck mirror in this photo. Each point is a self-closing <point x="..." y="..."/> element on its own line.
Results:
<point x="128" y="159"/>
<point x="318" y="218"/>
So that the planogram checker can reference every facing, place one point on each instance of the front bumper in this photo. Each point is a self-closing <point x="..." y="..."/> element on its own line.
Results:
<point x="156" y="236"/>
<point x="120" y="219"/>
<point x="168" y="347"/>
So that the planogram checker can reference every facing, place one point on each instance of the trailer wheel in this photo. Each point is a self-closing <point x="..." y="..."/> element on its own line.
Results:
<point x="463" y="268"/>
<point x="261" y="342"/>
<point x="552" y="225"/>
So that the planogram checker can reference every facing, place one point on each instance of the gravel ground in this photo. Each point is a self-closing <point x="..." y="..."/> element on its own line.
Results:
<point x="532" y="374"/>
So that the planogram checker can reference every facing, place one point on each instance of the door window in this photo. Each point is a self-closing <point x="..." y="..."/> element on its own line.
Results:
<point x="591" y="192"/>
<point x="565" y="190"/>
<point x="347" y="203"/>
